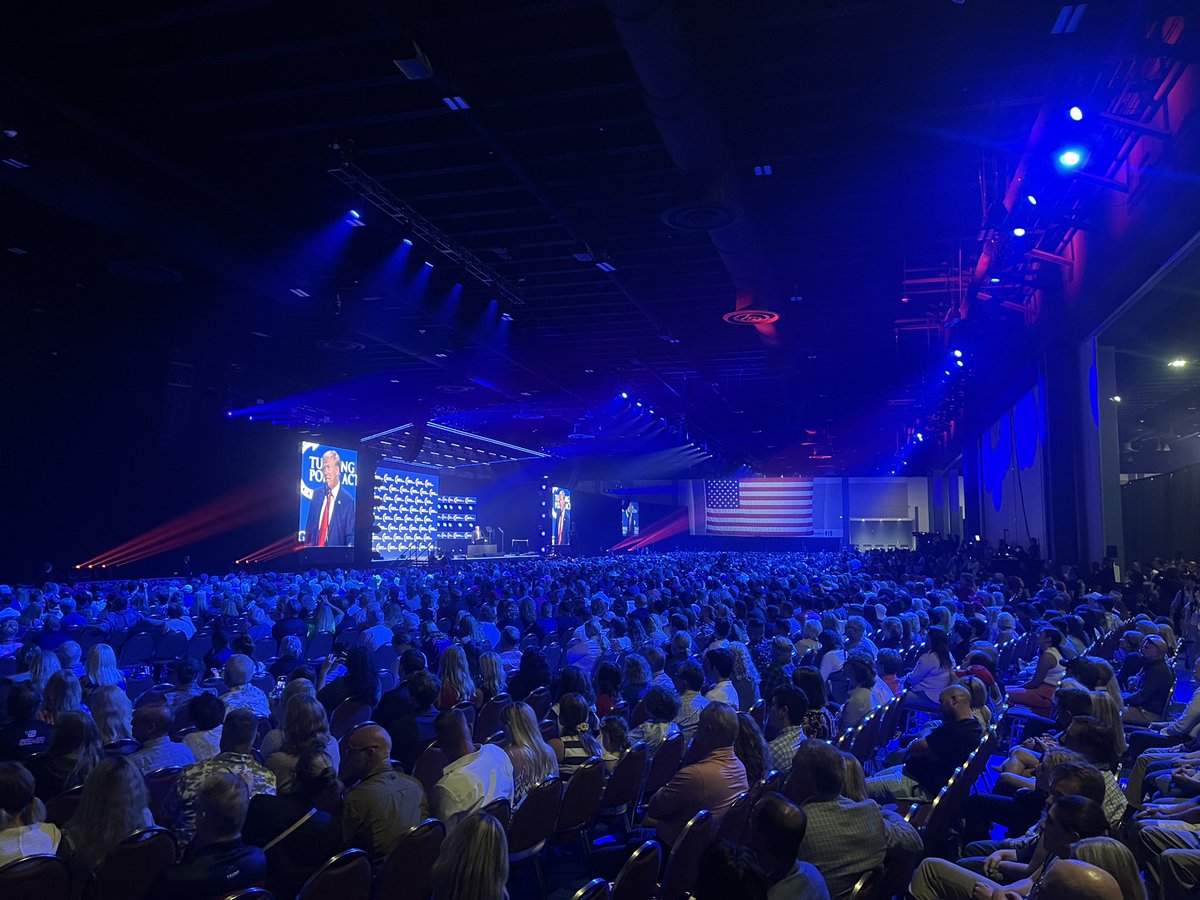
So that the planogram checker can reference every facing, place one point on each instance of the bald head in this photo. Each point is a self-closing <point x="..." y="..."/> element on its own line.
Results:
<point x="364" y="750"/>
<point x="1070" y="879"/>
<point x="955" y="702"/>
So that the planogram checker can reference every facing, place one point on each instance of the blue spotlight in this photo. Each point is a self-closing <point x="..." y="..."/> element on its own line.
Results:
<point x="639" y="404"/>
<point x="958" y="354"/>
<point x="507" y="317"/>
<point x="1075" y="113"/>
<point x="1070" y="158"/>
<point x="354" y="214"/>
<point x="407" y="241"/>
<point x="1031" y="200"/>
<point x="947" y="372"/>
<point x="428" y="264"/>
<point x="624" y="395"/>
<point x="959" y="363"/>
<point x="354" y="218"/>
<point x="920" y="436"/>
<point x="1018" y="231"/>
<point x="650" y="411"/>
<point x="994" y="280"/>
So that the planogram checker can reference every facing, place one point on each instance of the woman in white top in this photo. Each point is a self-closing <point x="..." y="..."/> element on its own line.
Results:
<point x="1038" y="692"/>
<point x="533" y="760"/>
<point x="22" y="831"/>
<point x="933" y="673"/>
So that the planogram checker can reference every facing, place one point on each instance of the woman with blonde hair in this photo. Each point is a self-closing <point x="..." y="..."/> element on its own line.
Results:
<point x="101" y="669"/>
<point x="1114" y="858"/>
<point x="1107" y="712"/>
<point x="854" y="785"/>
<point x="42" y="664"/>
<point x="113" y="713"/>
<point x="492" y="680"/>
<point x="114" y="805"/>
<point x="457" y="684"/>
<point x="305" y="730"/>
<point x="533" y="760"/>
<point x="473" y="862"/>
<point x="63" y="694"/>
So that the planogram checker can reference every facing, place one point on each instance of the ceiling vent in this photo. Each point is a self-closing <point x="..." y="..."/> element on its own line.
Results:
<point x="701" y="215"/>
<point x="751" y="317"/>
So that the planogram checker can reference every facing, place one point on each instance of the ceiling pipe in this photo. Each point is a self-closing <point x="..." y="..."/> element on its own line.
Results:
<point x="677" y="98"/>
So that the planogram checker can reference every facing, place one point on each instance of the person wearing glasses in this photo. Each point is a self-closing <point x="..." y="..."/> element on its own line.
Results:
<point x="383" y="803"/>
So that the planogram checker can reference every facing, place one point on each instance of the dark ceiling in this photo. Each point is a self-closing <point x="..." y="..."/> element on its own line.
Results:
<point x="178" y="180"/>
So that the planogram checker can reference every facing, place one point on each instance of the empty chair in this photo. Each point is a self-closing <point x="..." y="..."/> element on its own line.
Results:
<point x="532" y="825"/>
<point x="684" y="860"/>
<point x="35" y="878"/>
<point x="638" y="878"/>
<point x="138" y="649"/>
<point x="408" y="871"/>
<point x="60" y="809"/>
<point x="349" y="714"/>
<point x="489" y="719"/>
<point x="581" y="799"/>
<point x="596" y="889"/>
<point x="131" y="866"/>
<point x="624" y="785"/>
<point x="539" y="702"/>
<point x="346" y="876"/>
<point x="664" y="765"/>
<point x="159" y="784"/>
<point x="428" y="767"/>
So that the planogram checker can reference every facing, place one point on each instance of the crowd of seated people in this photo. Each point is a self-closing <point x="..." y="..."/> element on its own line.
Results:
<point x="306" y="713"/>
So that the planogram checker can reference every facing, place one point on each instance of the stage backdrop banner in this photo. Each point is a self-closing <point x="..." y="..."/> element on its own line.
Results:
<point x="328" y="487"/>
<point x="407" y="515"/>
<point x="755" y="507"/>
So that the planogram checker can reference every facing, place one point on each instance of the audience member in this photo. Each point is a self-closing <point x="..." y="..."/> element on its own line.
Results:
<point x="26" y="732"/>
<point x="239" y="669"/>
<point x="533" y="760"/>
<point x="472" y="778"/>
<point x="22" y="829"/>
<point x="113" y="806"/>
<point x="305" y="730"/>
<point x="74" y="750"/>
<point x="152" y="729"/>
<point x="382" y="803"/>
<point x="207" y="713"/>
<point x="777" y="829"/>
<point x="473" y="861"/>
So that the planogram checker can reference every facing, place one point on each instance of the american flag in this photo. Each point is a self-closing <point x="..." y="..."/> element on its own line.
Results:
<point x="752" y="507"/>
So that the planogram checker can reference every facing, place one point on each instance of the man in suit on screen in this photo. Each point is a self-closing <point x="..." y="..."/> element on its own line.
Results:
<point x="331" y="512"/>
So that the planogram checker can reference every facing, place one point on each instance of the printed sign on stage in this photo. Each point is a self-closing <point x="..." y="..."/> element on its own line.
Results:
<point x="328" y="485"/>
<point x="560" y="514"/>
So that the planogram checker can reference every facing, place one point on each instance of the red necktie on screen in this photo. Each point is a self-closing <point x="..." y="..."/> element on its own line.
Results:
<point x="323" y="534"/>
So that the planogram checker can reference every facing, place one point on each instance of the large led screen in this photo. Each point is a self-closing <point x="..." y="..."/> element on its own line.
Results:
<point x="328" y="485"/>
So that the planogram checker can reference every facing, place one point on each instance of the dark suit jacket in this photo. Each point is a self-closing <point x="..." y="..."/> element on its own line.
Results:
<point x="341" y="520"/>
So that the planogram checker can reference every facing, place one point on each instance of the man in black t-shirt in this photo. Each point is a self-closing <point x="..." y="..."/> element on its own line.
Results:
<point x="25" y="735"/>
<point x="930" y="761"/>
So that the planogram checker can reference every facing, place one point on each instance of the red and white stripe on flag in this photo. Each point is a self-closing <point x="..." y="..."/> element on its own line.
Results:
<point x="752" y="507"/>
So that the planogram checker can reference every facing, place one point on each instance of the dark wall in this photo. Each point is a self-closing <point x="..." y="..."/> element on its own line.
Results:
<point x="1162" y="515"/>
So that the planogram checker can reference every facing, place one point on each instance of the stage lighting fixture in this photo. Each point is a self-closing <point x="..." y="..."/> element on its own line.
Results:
<point x="428" y="264"/>
<point x="650" y="411"/>
<point x="1177" y="363"/>
<point x="1075" y="113"/>
<point x="947" y="372"/>
<point x="920" y="437"/>
<point x="606" y="266"/>
<point x="543" y="503"/>
<point x="994" y="280"/>
<point x="1018" y="231"/>
<point x="624" y="395"/>
<point x="958" y="354"/>
<point x="543" y="534"/>
<point x="354" y="217"/>
<point x="506" y="317"/>
<point x="639" y="404"/>
<point x="1115" y="398"/>
<point x="407" y="241"/>
<point x="1031" y="200"/>
<point x="1070" y="158"/>
<point x="959" y="363"/>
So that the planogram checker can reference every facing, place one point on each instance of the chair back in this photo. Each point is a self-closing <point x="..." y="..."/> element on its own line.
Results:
<point x="758" y="712"/>
<point x="733" y="826"/>
<point x="553" y="654"/>
<point x="682" y="864"/>
<point x="171" y="646"/>
<point x="131" y="867"/>
<point x="351" y="712"/>
<point x="346" y="874"/>
<point x="137" y="649"/>
<point x="159" y="784"/>
<point x="35" y="878"/>
<point x="499" y="809"/>
<point x="467" y="708"/>
<point x="639" y="714"/>
<point x="199" y="644"/>
<point x="539" y="701"/>
<point x="429" y="766"/>
<point x="534" y="820"/>
<point x="638" y="878"/>
<point x="408" y="871"/>
<point x="548" y="728"/>
<point x="319" y="647"/>
<point x="60" y="809"/>
<point x="624" y="785"/>
<point x="123" y="747"/>
<point x="581" y="799"/>
<point x="596" y="889"/>
<point x="664" y="765"/>
<point x="489" y="718"/>
<point x="265" y="648"/>
<point x="250" y="893"/>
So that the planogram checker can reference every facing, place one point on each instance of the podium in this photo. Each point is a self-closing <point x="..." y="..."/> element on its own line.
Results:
<point x="476" y="550"/>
